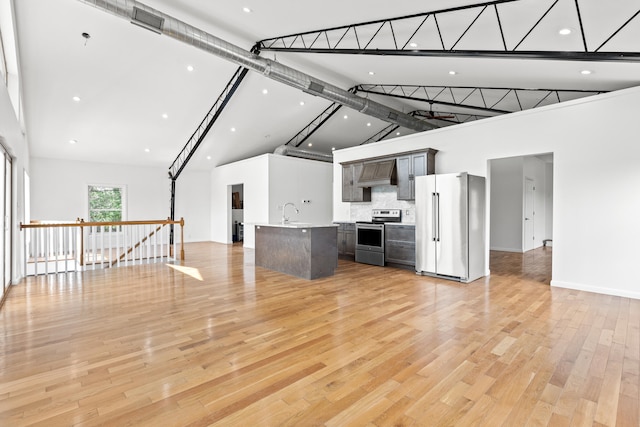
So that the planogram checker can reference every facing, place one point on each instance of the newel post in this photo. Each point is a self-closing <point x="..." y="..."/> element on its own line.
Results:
<point x="182" y="239"/>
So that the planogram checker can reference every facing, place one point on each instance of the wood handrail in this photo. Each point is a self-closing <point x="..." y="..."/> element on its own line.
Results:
<point x="81" y="223"/>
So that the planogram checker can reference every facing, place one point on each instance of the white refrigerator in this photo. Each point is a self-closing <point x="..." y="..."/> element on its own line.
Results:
<point x="450" y="226"/>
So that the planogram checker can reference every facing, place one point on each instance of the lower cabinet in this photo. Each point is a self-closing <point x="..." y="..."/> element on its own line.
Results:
<point x="346" y="239"/>
<point x="400" y="244"/>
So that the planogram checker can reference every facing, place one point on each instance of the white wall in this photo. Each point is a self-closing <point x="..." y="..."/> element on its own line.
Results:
<point x="506" y="204"/>
<point x="270" y="181"/>
<point x="252" y="173"/>
<point x="596" y="179"/>
<point x="59" y="192"/>
<point x="16" y="144"/>
<point x="193" y="189"/>
<point x="295" y="180"/>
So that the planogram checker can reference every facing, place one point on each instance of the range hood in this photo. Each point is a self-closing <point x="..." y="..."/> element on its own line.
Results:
<point x="378" y="173"/>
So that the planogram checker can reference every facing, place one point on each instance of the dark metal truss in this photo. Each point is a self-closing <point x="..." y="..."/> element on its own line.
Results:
<point x="448" y="117"/>
<point x="382" y="134"/>
<point x="486" y="99"/>
<point x="200" y="133"/>
<point x="437" y="33"/>
<point x="316" y="123"/>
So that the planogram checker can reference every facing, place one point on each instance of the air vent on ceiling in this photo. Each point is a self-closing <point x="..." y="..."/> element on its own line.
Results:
<point x="147" y="20"/>
<point x="314" y="88"/>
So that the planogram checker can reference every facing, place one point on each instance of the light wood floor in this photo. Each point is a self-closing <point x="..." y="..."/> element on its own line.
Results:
<point x="242" y="346"/>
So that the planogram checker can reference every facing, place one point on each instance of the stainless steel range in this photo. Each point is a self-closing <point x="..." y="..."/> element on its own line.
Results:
<point x="370" y="236"/>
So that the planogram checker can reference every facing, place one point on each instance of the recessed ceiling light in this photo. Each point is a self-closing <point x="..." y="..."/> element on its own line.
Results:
<point x="301" y="102"/>
<point x="371" y="73"/>
<point x="586" y="72"/>
<point x="146" y="150"/>
<point x="413" y="44"/>
<point x="73" y="141"/>
<point x="333" y="148"/>
<point x="165" y="116"/>
<point x="397" y="133"/>
<point x="208" y="157"/>
<point x="76" y="98"/>
<point x="189" y="67"/>
<point x="345" y="117"/>
<point x="453" y="73"/>
<point x="564" y="31"/>
<point x="265" y="91"/>
<point x="246" y="10"/>
<point x="368" y="124"/>
<point x="233" y="129"/>
<point x="310" y="144"/>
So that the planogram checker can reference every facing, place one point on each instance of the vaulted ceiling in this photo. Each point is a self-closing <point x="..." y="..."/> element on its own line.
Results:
<point x="128" y="95"/>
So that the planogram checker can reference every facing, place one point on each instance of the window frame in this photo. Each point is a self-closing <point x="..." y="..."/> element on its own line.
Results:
<point x="123" y="209"/>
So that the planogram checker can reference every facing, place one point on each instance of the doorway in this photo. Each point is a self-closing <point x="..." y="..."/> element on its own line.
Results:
<point x="237" y="213"/>
<point x="521" y="211"/>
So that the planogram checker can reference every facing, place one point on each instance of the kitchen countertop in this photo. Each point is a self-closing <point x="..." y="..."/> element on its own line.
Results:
<point x="295" y="225"/>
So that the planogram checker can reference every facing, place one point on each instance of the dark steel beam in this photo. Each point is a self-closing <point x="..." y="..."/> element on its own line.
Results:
<point x="421" y="94"/>
<point x="430" y="101"/>
<point x="335" y="40"/>
<point x="522" y="54"/>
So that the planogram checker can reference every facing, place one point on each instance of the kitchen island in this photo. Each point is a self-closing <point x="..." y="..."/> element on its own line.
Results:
<point x="308" y="251"/>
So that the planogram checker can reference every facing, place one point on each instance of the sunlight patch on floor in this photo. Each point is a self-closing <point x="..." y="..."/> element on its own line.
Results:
<point x="189" y="271"/>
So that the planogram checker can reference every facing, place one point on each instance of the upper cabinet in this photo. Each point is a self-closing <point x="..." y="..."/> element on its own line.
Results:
<point x="351" y="192"/>
<point x="399" y="169"/>
<point x="411" y="165"/>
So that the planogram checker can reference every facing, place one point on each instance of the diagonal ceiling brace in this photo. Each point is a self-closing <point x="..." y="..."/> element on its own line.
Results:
<point x="200" y="133"/>
<point x="316" y="123"/>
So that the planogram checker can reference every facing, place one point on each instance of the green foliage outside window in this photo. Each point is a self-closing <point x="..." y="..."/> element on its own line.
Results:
<point x="105" y="204"/>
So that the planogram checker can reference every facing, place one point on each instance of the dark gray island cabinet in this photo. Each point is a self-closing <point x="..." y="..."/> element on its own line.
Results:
<point x="303" y="250"/>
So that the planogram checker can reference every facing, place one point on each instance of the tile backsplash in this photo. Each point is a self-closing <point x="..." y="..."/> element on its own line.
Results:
<point x="383" y="197"/>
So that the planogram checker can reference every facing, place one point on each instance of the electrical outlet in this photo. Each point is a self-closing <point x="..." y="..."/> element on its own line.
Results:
<point x="407" y="212"/>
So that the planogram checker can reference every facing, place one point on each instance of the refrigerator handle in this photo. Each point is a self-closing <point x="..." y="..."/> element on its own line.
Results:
<point x="438" y="214"/>
<point x="433" y="216"/>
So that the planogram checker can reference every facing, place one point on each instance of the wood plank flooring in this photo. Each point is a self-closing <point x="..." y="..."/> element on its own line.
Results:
<point x="220" y="342"/>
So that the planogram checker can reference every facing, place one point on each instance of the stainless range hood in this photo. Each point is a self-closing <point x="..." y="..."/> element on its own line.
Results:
<point x="378" y="173"/>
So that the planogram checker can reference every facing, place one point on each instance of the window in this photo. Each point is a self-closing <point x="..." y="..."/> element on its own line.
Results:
<point x="106" y="204"/>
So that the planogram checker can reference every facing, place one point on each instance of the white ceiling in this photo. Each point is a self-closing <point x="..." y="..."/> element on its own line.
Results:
<point x="128" y="77"/>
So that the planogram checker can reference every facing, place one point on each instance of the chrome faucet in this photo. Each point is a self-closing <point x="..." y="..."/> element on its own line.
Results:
<point x="284" y="207"/>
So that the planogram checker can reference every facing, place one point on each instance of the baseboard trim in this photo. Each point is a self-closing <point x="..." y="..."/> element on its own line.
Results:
<point x="499" y="249"/>
<point x="596" y="289"/>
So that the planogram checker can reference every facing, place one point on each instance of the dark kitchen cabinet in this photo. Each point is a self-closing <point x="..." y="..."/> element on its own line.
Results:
<point x="409" y="166"/>
<point x="346" y="239"/>
<point x="351" y="192"/>
<point x="400" y="244"/>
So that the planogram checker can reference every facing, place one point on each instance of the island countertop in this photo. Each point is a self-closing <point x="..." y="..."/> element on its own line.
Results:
<point x="308" y="251"/>
<point x="294" y="225"/>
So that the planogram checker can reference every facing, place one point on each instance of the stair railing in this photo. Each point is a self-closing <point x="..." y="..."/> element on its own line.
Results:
<point x="58" y="247"/>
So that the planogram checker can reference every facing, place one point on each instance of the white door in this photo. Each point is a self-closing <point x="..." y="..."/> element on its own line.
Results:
<point x="529" y="213"/>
